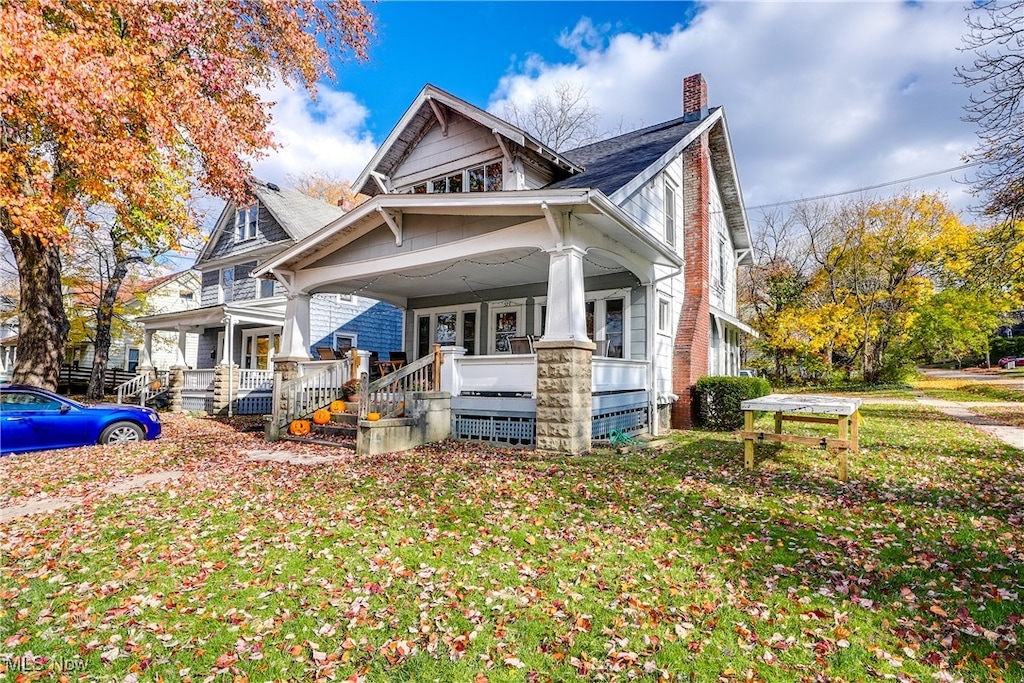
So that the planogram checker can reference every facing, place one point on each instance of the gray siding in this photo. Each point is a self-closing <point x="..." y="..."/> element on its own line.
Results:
<point x="267" y="232"/>
<point x="211" y="288"/>
<point x="638" y="323"/>
<point x="376" y="325"/>
<point x="466" y="144"/>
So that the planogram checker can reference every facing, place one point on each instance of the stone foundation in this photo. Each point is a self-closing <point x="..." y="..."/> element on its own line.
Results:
<point x="564" y="395"/>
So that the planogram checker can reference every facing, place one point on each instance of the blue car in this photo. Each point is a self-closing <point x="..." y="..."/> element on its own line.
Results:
<point x="33" y="419"/>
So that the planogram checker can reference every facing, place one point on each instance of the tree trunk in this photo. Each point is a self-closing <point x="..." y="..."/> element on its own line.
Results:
<point x="104" y="321"/>
<point x="42" y="322"/>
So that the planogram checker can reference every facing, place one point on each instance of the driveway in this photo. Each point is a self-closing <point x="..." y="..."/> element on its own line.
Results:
<point x="989" y="375"/>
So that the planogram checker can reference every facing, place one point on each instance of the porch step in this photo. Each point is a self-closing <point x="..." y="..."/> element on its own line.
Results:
<point x="345" y="418"/>
<point x="342" y="430"/>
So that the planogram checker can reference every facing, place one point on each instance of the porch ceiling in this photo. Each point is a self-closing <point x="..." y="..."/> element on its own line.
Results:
<point x="469" y="277"/>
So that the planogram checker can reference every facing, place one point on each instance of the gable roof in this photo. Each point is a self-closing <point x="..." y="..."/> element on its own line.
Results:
<point x="299" y="215"/>
<point x="610" y="164"/>
<point x="432" y="106"/>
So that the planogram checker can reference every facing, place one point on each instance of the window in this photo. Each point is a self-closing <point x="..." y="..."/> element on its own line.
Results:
<point x="259" y="347"/>
<point x="720" y="265"/>
<point x="670" y="212"/>
<point x="187" y="295"/>
<point x="132" y="361"/>
<point x="606" y="325"/>
<point x="664" y="315"/>
<point x="486" y="178"/>
<point x="227" y="285"/>
<point x="246" y="219"/>
<point x="266" y="288"/>
<point x="344" y="342"/>
<point x="447" y="327"/>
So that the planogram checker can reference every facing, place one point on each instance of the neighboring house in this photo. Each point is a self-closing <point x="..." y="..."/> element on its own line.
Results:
<point x="619" y="256"/>
<point x="169" y="293"/>
<point x="242" y="318"/>
<point x="8" y="335"/>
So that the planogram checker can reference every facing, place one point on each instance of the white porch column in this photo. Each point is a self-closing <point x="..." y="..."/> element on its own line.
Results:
<point x="179" y="352"/>
<point x="566" y="313"/>
<point x="451" y="379"/>
<point x="295" y="337"/>
<point x="146" y="361"/>
<point x="226" y="353"/>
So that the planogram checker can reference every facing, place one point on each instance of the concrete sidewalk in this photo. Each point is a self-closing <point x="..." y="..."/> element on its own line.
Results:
<point x="1012" y="436"/>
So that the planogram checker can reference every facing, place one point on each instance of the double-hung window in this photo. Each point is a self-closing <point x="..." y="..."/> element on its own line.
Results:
<point x="670" y="212"/>
<point x="246" y="222"/>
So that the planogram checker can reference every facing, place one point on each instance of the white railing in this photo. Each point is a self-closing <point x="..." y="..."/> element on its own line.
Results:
<point x="506" y="374"/>
<point x="255" y="380"/>
<point x="618" y="374"/>
<point x="198" y="380"/>
<point x="143" y="386"/>
<point x="299" y="397"/>
<point x="386" y="396"/>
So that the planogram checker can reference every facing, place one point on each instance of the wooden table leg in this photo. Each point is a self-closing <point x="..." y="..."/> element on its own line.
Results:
<point x="748" y="443"/>
<point x="843" y="450"/>
<point x="855" y="431"/>
<point x="778" y="422"/>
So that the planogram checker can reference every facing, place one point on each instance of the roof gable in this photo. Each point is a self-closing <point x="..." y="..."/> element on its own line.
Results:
<point x="432" y="108"/>
<point x="286" y="216"/>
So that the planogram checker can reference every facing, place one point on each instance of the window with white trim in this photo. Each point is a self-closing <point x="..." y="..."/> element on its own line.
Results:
<point x="485" y="178"/>
<point x="343" y="343"/>
<point x="664" y="316"/>
<point x="227" y="285"/>
<point x="720" y="264"/>
<point x="246" y="222"/>
<point x="670" y="212"/>
<point x="448" y="326"/>
<point x="265" y="288"/>
<point x="259" y="346"/>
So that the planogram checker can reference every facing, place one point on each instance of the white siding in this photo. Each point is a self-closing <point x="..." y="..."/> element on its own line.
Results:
<point x="466" y="144"/>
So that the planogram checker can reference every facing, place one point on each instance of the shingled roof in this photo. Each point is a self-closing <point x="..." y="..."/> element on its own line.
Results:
<point x="610" y="164"/>
<point x="298" y="214"/>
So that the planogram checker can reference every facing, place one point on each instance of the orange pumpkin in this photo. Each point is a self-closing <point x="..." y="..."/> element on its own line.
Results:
<point x="321" y="416"/>
<point x="373" y="417"/>
<point x="337" y="407"/>
<point x="299" y="427"/>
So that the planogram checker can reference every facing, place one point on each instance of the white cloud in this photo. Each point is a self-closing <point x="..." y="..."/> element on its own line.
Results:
<point x="820" y="97"/>
<point x="328" y="134"/>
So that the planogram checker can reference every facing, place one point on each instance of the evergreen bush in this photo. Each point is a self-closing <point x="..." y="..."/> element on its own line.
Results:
<point x="718" y="400"/>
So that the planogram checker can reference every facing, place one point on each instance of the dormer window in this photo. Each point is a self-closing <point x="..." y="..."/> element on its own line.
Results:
<point x="246" y="220"/>
<point x="486" y="178"/>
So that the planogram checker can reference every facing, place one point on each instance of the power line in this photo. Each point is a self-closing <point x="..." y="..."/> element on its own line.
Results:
<point x="867" y="188"/>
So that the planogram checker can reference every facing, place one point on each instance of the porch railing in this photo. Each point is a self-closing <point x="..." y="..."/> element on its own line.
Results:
<point x="255" y="380"/>
<point x="300" y="396"/>
<point x="618" y="374"/>
<point x="386" y="396"/>
<point x="143" y="387"/>
<point x="198" y="380"/>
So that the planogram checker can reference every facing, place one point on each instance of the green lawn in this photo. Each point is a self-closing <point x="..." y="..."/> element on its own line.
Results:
<point x="465" y="563"/>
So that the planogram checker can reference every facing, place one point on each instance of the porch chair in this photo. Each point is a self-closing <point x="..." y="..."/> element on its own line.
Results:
<point x="520" y="344"/>
<point x="325" y="353"/>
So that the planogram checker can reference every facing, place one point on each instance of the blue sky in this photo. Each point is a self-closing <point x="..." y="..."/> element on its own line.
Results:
<point x="820" y="97"/>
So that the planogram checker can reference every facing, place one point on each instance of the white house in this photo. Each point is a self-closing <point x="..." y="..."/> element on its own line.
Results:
<point x="619" y="257"/>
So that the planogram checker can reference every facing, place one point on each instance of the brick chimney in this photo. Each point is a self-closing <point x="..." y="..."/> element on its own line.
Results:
<point x="695" y="97"/>
<point x="690" y="352"/>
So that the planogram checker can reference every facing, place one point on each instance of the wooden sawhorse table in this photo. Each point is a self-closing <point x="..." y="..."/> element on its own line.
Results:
<point x="842" y="412"/>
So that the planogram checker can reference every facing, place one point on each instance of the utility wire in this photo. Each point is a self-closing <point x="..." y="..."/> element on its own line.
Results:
<point x="867" y="188"/>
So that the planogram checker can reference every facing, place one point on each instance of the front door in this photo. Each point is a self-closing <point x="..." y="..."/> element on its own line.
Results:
<point x="259" y="347"/>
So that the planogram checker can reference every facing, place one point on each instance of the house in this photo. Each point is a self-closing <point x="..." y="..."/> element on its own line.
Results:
<point x="619" y="257"/>
<point x="172" y="292"/>
<point x="241" y="318"/>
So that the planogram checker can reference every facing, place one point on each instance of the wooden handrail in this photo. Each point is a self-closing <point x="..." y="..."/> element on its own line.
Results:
<point x="301" y="396"/>
<point x="386" y="395"/>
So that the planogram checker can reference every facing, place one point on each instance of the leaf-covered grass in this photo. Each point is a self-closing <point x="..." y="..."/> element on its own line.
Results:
<point x="967" y="390"/>
<point x="459" y="561"/>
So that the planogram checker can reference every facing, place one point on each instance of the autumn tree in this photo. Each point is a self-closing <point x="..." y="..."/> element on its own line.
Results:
<point x="328" y="187"/>
<point x="996" y="103"/>
<point x="955" y="323"/>
<point x="101" y="101"/>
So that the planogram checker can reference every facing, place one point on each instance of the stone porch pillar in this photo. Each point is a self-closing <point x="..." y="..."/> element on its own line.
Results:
<point x="225" y="388"/>
<point x="175" y="385"/>
<point x="564" y="358"/>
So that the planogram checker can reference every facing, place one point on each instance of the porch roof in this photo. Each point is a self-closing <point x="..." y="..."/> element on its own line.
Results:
<point x="533" y="226"/>
<point x="268" y="312"/>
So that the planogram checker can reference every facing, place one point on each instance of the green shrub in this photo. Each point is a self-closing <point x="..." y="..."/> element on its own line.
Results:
<point x="718" y="400"/>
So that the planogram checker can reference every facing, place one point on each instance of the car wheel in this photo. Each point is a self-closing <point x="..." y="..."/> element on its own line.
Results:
<point x="121" y="432"/>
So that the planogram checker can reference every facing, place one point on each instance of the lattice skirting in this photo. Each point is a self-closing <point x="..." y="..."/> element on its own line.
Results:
<point x="628" y="420"/>
<point x="506" y="430"/>
<point x="256" y="403"/>
<point x="197" y="403"/>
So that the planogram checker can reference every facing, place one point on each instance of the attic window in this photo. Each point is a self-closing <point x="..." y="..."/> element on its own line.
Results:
<point x="186" y="295"/>
<point x="246" y="219"/>
<point x="486" y="178"/>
